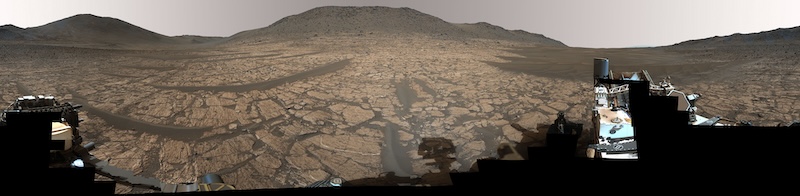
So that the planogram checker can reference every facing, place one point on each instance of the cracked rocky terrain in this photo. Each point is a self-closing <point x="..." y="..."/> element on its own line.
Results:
<point x="266" y="110"/>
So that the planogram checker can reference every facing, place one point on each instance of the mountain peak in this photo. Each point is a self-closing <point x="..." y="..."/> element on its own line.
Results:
<point x="351" y="20"/>
<point x="10" y="27"/>
<point x="11" y="32"/>
<point x="90" y="29"/>
<point x="88" y="21"/>
<point x="87" y="16"/>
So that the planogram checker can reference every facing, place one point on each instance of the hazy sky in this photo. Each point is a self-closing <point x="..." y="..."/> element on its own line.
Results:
<point x="577" y="23"/>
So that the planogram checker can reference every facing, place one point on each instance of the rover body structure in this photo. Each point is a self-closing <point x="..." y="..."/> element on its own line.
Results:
<point x="612" y="118"/>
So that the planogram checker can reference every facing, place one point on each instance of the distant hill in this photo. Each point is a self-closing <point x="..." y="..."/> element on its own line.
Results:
<point x="195" y="39"/>
<point x="11" y="32"/>
<point x="777" y="36"/>
<point x="330" y="20"/>
<point x="334" y="20"/>
<point x="780" y="43"/>
<point x="87" y="28"/>
<point x="91" y="29"/>
<point x="489" y="31"/>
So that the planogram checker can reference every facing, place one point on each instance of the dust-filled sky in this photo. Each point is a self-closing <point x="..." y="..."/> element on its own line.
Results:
<point x="577" y="23"/>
